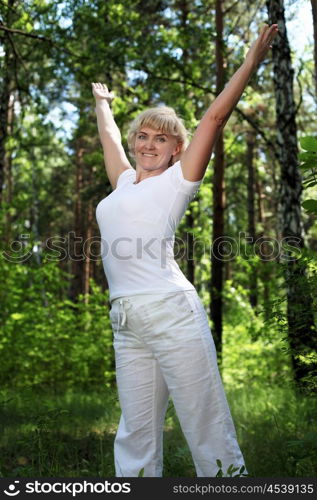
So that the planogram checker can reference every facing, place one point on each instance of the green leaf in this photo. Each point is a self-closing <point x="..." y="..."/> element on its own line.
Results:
<point x="230" y="468"/>
<point x="310" y="206"/>
<point x="310" y="176"/>
<point x="234" y="469"/>
<point x="307" y="155"/>
<point x="309" y="143"/>
<point x="311" y="163"/>
<point x="309" y="183"/>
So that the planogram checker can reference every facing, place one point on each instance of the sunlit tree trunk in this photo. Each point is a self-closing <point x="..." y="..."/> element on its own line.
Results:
<point x="314" y="12"/>
<point x="7" y="70"/>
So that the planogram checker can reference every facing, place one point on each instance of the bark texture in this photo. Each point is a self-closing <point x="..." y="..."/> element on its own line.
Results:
<point x="301" y="330"/>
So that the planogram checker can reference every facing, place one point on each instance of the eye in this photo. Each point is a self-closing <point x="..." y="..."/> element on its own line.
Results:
<point x="161" y="139"/>
<point x="141" y="136"/>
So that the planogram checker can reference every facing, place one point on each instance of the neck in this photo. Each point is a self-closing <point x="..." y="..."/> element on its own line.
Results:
<point x="142" y="174"/>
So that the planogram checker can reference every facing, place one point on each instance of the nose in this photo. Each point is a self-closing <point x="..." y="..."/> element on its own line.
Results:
<point x="150" y="144"/>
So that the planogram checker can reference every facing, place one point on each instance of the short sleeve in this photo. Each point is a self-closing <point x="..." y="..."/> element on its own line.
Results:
<point x="126" y="177"/>
<point x="181" y="184"/>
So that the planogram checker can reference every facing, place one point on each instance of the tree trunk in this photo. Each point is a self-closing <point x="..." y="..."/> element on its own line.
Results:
<point x="251" y="215"/>
<point x="76" y="244"/>
<point x="265" y="271"/>
<point x="190" y="247"/>
<point x="260" y="210"/>
<point x="218" y="199"/>
<point x="184" y="9"/>
<point x="88" y="262"/>
<point x="5" y="94"/>
<point x="314" y="12"/>
<point x="301" y="330"/>
<point x="7" y="163"/>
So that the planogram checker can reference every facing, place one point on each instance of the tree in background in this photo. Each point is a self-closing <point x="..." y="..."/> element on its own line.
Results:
<point x="314" y="13"/>
<point x="302" y="333"/>
<point x="217" y="275"/>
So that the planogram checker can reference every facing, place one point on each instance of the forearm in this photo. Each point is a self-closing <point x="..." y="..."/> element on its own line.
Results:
<point x="222" y="107"/>
<point x="195" y="159"/>
<point x="197" y="156"/>
<point x="107" y="127"/>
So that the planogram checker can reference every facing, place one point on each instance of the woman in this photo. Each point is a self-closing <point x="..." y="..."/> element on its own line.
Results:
<point x="163" y="344"/>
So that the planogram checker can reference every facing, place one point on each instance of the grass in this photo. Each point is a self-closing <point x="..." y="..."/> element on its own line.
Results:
<point x="277" y="431"/>
<point x="67" y="435"/>
<point x="71" y="435"/>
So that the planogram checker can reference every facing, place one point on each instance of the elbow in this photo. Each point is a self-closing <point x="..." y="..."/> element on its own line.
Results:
<point x="109" y="138"/>
<point x="218" y="119"/>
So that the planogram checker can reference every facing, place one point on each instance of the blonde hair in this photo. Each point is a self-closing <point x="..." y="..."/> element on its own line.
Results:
<point x="161" y="118"/>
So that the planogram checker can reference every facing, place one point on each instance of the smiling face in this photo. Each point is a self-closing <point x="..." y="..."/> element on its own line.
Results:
<point x="153" y="149"/>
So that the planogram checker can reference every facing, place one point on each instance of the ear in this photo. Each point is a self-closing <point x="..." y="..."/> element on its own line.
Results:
<point x="177" y="148"/>
<point x="175" y="153"/>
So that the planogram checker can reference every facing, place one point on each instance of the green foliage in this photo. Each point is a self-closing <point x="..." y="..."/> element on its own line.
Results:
<point x="310" y="206"/>
<point x="47" y="341"/>
<point x="149" y="53"/>
<point x="231" y="471"/>
<point x="253" y="351"/>
<point x="270" y="419"/>
<point x="303" y="278"/>
<point x="141" y="473"/>
<point x="71" y="434"/>
<point x="309" y="167"/>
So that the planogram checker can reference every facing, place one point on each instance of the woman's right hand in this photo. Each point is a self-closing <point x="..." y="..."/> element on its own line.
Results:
<point x="100" y="91"/>
<point x="263" y="43"/>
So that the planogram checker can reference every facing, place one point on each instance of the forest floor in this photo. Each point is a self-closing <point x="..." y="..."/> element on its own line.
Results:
<point x="71" y="435"/>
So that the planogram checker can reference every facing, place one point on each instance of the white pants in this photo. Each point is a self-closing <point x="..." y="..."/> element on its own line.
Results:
<point x="163" y="346"/>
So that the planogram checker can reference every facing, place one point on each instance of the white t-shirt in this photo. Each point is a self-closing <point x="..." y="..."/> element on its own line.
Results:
<point x="137" y="224"/>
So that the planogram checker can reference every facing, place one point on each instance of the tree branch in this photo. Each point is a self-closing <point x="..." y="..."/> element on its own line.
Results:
<point x="256" y="127"/>
<point x="247" y="118"/>
<point x="42" y="39"/>
<point x="230" y="7"/>
<point x="17" y="55"/>
<point x="30" y="35"/>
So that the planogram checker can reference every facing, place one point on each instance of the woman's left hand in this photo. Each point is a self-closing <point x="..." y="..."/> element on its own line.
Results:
<point x="262" y="44"/>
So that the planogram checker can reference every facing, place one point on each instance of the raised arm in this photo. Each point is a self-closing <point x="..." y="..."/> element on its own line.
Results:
<point x="115" y="158"/>
<point x="195" y="159"/>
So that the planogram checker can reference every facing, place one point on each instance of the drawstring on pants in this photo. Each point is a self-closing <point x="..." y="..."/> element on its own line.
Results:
<point x="124" y="316"/>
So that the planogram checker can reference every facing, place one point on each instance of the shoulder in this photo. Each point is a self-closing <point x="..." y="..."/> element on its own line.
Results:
<point x="175" y="173"/>
<point x="126" y="176"/>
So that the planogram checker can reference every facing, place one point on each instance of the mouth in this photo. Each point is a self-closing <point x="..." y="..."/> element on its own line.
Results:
<point x="149" y="155"/>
